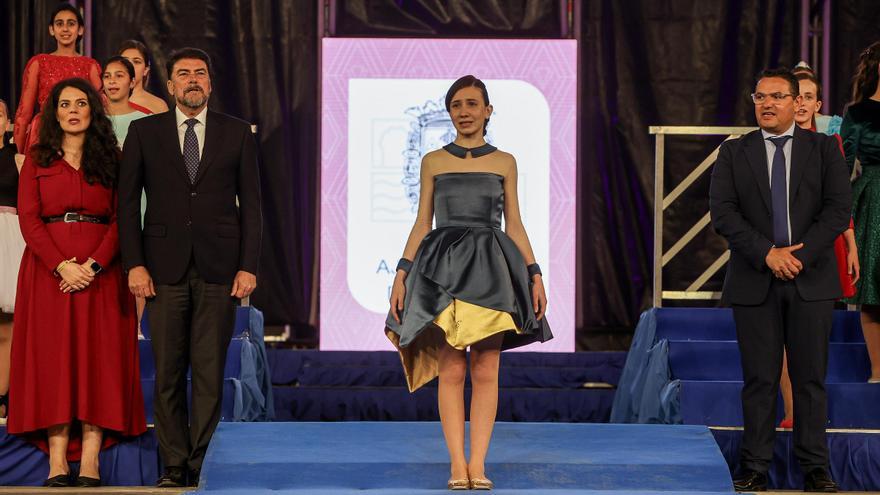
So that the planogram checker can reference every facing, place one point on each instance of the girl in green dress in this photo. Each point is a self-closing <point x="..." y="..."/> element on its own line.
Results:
<point x="861" y="141"/>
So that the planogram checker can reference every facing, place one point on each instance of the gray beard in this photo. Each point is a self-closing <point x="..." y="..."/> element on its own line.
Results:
<point x="198" y="101"/>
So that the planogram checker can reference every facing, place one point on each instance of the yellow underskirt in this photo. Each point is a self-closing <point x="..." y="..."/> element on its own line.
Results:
<point x="460" y="325"/>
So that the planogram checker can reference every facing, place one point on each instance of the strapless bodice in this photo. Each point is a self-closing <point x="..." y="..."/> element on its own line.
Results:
<point x="468" y="199"/>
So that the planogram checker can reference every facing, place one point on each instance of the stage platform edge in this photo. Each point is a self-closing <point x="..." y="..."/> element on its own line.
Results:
<point x="410" y="457"/>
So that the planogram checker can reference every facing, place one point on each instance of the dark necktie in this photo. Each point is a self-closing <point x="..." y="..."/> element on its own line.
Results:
<point x="191" y="150"/>
<point x="779" y="193"/>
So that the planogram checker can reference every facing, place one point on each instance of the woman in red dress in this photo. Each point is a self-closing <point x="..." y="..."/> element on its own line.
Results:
<point x="75" y="384"/>
<point x="44" y="70"/>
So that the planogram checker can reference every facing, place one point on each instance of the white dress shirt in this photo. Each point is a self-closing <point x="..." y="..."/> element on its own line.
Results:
<point x="771" y="150"/>
<point x="198" y="128"/>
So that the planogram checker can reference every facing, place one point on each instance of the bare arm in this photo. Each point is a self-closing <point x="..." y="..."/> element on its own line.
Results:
<point x="419" y="231"/>
<point x="513" y="222"/>
<point x="517" y="233"/>
<point x="425" y="214"/>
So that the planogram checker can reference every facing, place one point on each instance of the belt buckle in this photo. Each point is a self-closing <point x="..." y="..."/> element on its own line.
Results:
<point x="70" y="217"/>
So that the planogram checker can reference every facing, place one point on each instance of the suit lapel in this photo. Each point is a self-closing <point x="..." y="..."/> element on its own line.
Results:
<point x="213" y="141"/>
<point x="801" y="148"/>
<point x="756" y="154"/>
<point x="171" y="143"/>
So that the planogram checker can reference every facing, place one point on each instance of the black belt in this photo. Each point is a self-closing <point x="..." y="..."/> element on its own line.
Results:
<point x="71" y="217"/>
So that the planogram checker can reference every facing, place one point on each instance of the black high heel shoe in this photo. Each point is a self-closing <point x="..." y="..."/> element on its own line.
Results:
<point x="86" y="482"/>
<point x="60" y="481"/>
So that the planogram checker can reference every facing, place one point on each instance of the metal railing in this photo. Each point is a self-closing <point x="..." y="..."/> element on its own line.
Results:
<point x="662" y="201"/>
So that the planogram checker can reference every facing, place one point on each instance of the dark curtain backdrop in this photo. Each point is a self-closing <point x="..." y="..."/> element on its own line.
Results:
<point x="659" y="63"/>
<point x="265" y="57"/>
<point x="449" y="18"/>
<point x="25" y="32"/>
<point x="856" y="25"/>
<point x="643" y="62"/>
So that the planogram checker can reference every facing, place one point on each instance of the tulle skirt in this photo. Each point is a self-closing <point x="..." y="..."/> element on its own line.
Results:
<point x="11" y="249"/>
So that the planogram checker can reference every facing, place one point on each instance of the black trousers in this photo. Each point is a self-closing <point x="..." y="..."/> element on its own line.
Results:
<point x="191" y="324"/>
<point x="803" y="328"/>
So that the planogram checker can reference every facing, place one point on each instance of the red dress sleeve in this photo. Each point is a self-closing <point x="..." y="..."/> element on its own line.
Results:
<point x="95" y="75"/>
<point x="29" y="88"/>
<point x="30" y="219"/>
<point x="109" y="247"/>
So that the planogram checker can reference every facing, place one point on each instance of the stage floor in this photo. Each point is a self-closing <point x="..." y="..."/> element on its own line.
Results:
<point x="410" y="457"/>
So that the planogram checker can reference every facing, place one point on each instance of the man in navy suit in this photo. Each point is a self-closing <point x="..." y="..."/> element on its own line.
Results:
<point x="780" y="196"/>
<point x="196" y="254"/>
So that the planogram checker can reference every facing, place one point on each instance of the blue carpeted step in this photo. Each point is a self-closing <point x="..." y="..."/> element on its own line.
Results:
<point x="308" y="457"/>
<point x="852" y="459"/>
<point x="719" y="360"/>
<point x="291" y="366"/>
<point x="393" y="376"/>
<point x="717" y="324"/>
<point x="717" y="403"/>
<point x="131" y="462"/>
<point x="397" y="404"/>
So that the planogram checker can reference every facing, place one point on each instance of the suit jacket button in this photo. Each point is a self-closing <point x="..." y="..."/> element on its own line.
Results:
<point x="188" y="223"/>
<point x="192" y="194"/>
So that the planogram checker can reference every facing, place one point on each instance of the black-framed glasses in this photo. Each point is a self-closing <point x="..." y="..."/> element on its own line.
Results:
<point x="759" y="98"/>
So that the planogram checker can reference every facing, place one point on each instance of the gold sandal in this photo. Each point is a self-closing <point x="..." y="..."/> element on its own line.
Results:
<point x="481" y="484"/>
<point x="463" y="484"/>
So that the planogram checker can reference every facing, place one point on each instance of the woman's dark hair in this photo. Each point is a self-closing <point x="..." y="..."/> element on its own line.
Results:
<point x="864" y="83"/>
<point x="100" y="160"/>
<point x="187" y="52"/>
<point x="468" y="82"/>
<point x="803" y="75"/>
<point x="145" y="52"/>
<point x="66" y="7"/>
<point x="119" y="59"/>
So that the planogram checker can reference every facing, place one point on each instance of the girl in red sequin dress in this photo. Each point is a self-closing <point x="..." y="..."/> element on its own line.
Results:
<point x="43" y="71"/>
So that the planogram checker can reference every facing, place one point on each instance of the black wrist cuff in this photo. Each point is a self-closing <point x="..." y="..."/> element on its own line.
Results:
<point x="534" y="269"/>
<point x="404" y="264"/>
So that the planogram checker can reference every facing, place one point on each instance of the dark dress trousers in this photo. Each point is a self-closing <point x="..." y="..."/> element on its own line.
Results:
<point x="194" y="240"/>
<point x="771" y="314"/>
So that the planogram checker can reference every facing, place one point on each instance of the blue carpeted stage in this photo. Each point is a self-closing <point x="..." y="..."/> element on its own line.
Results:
<point x="343" y="386"/>
<point x="407" y="457"/>
<point x="684" y="368"/>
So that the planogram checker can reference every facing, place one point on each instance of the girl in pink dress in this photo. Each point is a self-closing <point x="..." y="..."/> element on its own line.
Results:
<point x="43" y="71"/>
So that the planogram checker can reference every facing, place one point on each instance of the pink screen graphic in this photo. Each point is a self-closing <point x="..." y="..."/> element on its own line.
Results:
<point x="382" y="108"/>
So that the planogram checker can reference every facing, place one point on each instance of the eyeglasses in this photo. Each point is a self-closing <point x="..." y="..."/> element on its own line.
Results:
<point x="759" y="98"/>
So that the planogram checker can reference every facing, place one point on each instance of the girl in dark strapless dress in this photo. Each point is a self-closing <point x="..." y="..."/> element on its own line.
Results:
<point x="466" y="283"/>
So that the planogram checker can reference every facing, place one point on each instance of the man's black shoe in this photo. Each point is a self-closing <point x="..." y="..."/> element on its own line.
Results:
<point x="750" y="481"/>
<point x="173" y="477"/>
<point x="818" y="480"/>
<point x="194" y="477"/>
